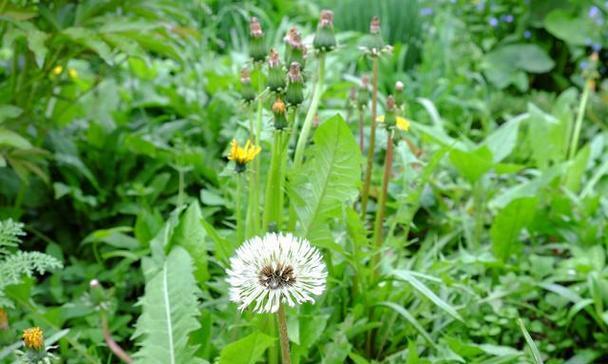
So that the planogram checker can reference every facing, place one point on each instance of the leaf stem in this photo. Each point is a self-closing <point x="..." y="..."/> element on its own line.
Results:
<point x="579" y="120"/>
<point x="372" y="139"/>
<point x="310" y="115"/>
<point x="283" y="335"/>
<point x="238" y="213"/>
<point x="361" y="124"/>
<point x="378" y="224"/>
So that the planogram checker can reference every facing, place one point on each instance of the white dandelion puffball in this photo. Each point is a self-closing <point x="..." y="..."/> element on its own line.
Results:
<point x="275" y="269"/>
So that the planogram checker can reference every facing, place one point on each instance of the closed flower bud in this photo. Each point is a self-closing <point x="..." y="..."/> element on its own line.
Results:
<point x="257" y="47"/>
<point x="3" y="320"/>
<point x="276" y="74"/>
<point x="363" y="94"/>
<point x="294" y="95"/>
<point x="399" y="96"/>
<point x="279" y="111"/>
<point x="294" y="50"/>
<point x="373" y="43"/>
<point x="247" y="92"/>
<point x="390" y="119"/>
<point x="325" y="40"/>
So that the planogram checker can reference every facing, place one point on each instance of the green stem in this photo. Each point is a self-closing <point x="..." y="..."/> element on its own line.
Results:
<point x="361" y="125"/>
<point x="274" y="185"/>
<point x="579" y="121"/>
<point x="310" y="115"/>
<point x="239" y="217"/>
<point x="372" y="139"/>
<point x="478" y="204"/>
<point x="180" y="192"/>
<point x="283" y="335"/>
<point x="378" y="224"/>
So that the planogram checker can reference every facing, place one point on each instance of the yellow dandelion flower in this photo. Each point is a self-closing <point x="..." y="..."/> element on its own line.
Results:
<point x="33" y="338"/>
<point x="402" y="123"/>
<point x="73" y="73"/>
<point x="243" y="155"/>
<point x="57" y="70"/>
<point x="3" y="320"/>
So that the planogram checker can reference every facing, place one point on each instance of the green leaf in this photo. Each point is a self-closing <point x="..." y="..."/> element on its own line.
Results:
<point x="190" y="235"/>
<point x="12" y="139"/>
<point x="411" y="319"/>
<point x="506" y="65"/>
<point x="545" y="137"/>
<point x="247" y="350"/>
<point x="328" y="179"/>
<point x="508" y="223"/>
<point x="472" y="165"/>
<point x="169" y="314"/>
<point x="9" y="112"/>
<point x="535" y="353"/>
<point x="502" y="141"/>
<point x="571" y="28"/>
<point x="426" y="291"/>
<point x="576" y="169"/>
<point x="90" y="40"/>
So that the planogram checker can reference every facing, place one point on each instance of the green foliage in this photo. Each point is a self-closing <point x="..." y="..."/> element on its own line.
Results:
<point x="248" y="350"/>
<point x="169" y="313"/>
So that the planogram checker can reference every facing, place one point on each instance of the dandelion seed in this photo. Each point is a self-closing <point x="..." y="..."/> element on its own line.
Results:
<point x="33" y="338"/>
<point x="275" y="269"/>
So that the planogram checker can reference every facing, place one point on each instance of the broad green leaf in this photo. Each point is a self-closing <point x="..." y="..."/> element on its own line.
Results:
<point x="9" y="112"/>
<point x="328" y="179"/>
<point x="571" y="28"/>
<point x="12" y="139"/>
<point x="411" y="319"/>
<point x="412" y="353"/>
<point x="115" y="237"/>
<point x="190" y="235"/>
<point x="427" y="292"/>
<point x="576" y="169"/>
<point x="506" y="65"/>
<point x="508" y="224"/>
<point x="91" y="40"/>
<point x="472" y="165"/>
<point x="247" y="350"/>
<point x="545" y="137"/>
<point x="502" y="141"/>
<point x="538" y="359"/>
<point x="169" y="311"/>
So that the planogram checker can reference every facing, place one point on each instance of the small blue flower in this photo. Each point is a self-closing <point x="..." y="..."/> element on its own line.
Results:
<point x="493" y="22"/>
<point x="426" y="11"/>
<point x="584" y="65"/>
<point x="527" y="34"/>
<point x="596" y="47"/>
<point x="507" y="18"/>
<point x="593" y="12"/>
<point x="480" y="6"/>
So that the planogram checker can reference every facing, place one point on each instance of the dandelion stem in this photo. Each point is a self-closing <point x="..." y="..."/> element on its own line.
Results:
<point x="239" y="217"/>
<point x="372" y="139"/>
<point x="180" y="192"/>
<point x="310" y="115"/>
<point x="113" y="345"/>
<point x="378" y="224"/>
<point x="361" y="124"/>
<point x="274" y="185"/>
<point x="283" y="335"/>
<point x="579" y="120"/>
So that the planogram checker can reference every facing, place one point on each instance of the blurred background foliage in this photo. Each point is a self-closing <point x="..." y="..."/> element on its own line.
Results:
<point x="114" y="113"/>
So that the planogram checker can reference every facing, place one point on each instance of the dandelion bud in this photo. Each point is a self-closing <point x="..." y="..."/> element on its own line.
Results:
<point x="325" y="40"/>
<point x="373" y="43"/>
<point x="390" y="117"/>
<point x="3" y="320"/>
<point x="399" y="97"/>
<point x="279" y="110"/>
<point x="247" y="92"/>
<point x="363" y="94"/>
<point x="295" y="50"/>
<point x="294" y="95"/>
<point x="257" y="48"/>
<point x="276" y="75"/>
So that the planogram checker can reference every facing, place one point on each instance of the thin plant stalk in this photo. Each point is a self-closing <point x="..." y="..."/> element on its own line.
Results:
<point x="310" y="115"/>
<point x="283" y="335"/>
<point x="579" y="120"/>
<point x="361" y="125"/>
<point x="372" y="139"/>
<point x="239" y="218"/>
<point x="379" y="222"/>
<point x="113" y="345"/>
<point x="274" y="185"/>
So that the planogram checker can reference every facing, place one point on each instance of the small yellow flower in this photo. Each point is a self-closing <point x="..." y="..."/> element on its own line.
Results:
<point x="33" y="338"/>
<point x="243" y="155"/>
<point x="57" y="70"/>
<point x="73" y="73"/>
<point x="402" y="123"/>
<point x="3" y="320"/>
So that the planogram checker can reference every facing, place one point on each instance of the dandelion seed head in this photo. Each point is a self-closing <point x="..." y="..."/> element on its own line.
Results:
<point x="275" y="269"/>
